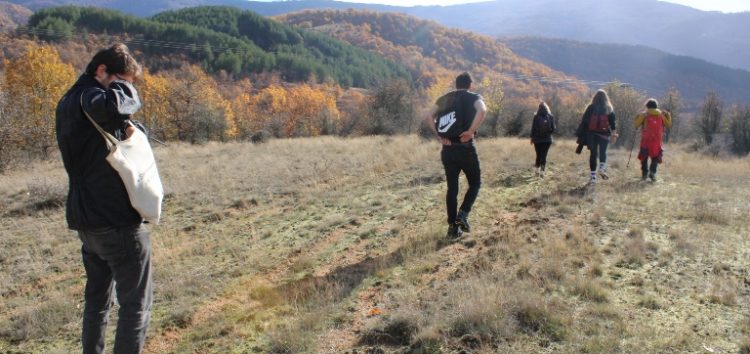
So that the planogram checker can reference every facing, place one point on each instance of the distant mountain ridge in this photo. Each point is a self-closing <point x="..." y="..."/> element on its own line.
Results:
<point x="649" y="69"/>
<point x="717" y="37"/>
<point x="12" y="16"/>
<point x="429" y="49"/>
<point x="712" y="36"/>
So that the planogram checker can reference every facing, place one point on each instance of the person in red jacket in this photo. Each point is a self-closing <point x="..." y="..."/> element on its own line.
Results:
<point x="652" y="124"/>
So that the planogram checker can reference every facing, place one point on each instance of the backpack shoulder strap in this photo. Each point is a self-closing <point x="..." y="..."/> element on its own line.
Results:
<point x="108" y="138"/>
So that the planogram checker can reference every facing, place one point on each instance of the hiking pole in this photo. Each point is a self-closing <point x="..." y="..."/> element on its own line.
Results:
<point x="632" y="145"/>
<point x="157" y="140"/>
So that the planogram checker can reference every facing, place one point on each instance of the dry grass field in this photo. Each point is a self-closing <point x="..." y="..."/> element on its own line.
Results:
<point x="331" y="245"/>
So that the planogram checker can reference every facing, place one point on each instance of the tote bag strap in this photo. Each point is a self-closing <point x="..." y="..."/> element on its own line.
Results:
<point x="108" y="138"/>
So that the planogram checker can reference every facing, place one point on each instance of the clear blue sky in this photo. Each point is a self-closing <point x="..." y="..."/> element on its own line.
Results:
<point x="706" y="5"/>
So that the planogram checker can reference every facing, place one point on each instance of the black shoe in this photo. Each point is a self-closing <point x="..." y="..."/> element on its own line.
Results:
<point x="454" y="232"/>
<point x="462" y="220"/>
<point x="644" y="175"/>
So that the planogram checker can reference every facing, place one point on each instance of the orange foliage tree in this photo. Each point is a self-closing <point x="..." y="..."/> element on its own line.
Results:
<point x="302" y="110"/>
<point x="33" y="85"/>
<point x="186" y="105"/>
<point x="155" y="92"/>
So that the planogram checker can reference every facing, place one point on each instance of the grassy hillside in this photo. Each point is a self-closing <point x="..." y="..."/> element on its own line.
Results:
<point x="649" y="69"/>
<point x="228" y="39"/>
<point x="324" y="245"/>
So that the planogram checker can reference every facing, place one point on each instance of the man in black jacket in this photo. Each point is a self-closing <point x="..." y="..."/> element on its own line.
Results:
<point x="116" y="246"/>
<point x="455" y="119"/>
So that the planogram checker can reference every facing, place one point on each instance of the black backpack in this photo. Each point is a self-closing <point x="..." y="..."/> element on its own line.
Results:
<point x="545" y="125"/>
<point x="451" y="118"/>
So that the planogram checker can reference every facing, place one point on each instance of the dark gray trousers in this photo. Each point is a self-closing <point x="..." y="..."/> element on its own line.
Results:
<point x="118" y="258"/>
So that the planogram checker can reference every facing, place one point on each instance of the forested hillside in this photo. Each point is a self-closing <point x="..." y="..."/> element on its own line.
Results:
<point x="428" y="50"/>
<point x="646" y="68"/>
<point x="11" y="16"/>
<point x="141" y="8"/>
<point x="714" y="36"/>
<point x="222" y="38"/>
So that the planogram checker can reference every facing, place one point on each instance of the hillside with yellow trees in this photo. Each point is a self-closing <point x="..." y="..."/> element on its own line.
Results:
<point x="223" y="74"/>
<point x="431" y="51"/>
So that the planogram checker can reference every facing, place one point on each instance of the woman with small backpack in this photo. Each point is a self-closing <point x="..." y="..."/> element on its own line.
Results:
<point x="597" y="130"/>
<point x="542" y="128"/>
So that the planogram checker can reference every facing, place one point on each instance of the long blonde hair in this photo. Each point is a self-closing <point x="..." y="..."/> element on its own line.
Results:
<point x="543" y="109"/>
<point x="600" y="103"/>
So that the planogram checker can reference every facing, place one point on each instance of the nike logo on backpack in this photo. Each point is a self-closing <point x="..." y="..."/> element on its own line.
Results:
<point x="445" y="122"/>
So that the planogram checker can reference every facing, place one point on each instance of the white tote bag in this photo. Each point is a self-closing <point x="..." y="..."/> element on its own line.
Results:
<point x="133" y="159"/>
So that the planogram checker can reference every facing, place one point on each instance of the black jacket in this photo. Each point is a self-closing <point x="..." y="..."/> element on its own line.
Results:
<point x="537" y="135"/>
<point x="96" y="197"/>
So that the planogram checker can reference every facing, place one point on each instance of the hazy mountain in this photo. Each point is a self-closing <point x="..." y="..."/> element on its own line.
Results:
<point x="646" y="68"/>
<point x="12" y="15"/>
<point x="713" y="36"/>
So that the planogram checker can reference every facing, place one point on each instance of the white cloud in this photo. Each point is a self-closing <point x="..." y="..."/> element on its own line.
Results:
<point x="715" y="5"/>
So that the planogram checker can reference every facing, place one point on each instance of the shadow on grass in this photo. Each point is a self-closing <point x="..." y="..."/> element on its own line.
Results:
<point x="341" y="282"/>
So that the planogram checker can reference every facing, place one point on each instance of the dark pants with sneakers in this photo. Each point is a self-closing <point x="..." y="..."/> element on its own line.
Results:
<point x="121" y="256"/>
<point x="598" y="146"/>
<point x="541" y="153"/>
<point x="456" y="159"/>
<point x="646" y="169"/>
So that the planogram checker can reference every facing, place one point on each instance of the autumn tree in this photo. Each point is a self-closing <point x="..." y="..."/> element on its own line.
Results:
<point x="6" y="135"/>
<point x="194" y="109"/>
<point x="710" y="117"/>
<point x="352" y="105"/>
<point x="155" y="92"/>
<point x="672" y="103"/>
<point x="627" y="103"/>
<point x="491" y="89"/>
<point x="515" y="117"/>
<point x="391" y="109"/>
<point x="300" y="110"/>
<point x="243" y="106"/>
<point x="741" y="130"/>
<point x="311" y="111"/>
<point x="33" y="85"/>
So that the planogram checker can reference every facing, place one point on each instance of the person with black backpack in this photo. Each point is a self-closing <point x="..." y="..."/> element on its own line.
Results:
<point x="542" y="128"/>
<point x="597" y="130"/>
<point x="455" y="120"/>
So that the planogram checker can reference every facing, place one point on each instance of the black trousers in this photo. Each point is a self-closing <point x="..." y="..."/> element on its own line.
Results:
<point x="598" y="146"/>
<point x="541" y="153"/>
<point x="644" y="166"/>
<point x="456" y="159"/>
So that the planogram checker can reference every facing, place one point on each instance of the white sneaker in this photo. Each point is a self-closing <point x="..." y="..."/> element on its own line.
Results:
<point x="541" y="173"/>
<point x="603" y="173"/>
